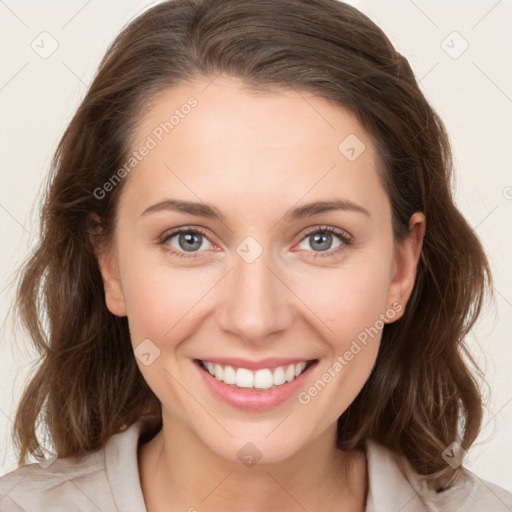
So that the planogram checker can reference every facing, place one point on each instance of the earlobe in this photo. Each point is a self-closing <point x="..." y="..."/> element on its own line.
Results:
<point x="109" y="268"/>
<point x="407" y="255"/>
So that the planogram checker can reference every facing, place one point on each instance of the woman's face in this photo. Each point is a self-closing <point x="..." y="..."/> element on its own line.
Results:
<point x="250" y="283"/>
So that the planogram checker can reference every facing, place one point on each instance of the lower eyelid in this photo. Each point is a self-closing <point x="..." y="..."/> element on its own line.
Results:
<point x="171" y="235"/>
<point x="343" y="237"/>
<point x="328" y="252"/>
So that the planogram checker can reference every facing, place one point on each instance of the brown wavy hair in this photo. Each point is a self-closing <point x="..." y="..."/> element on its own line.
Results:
<point x="424" y="391"/>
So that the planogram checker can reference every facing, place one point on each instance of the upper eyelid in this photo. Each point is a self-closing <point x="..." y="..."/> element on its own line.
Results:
<point x="330" y="229"/>
<point x="341" y="233"/>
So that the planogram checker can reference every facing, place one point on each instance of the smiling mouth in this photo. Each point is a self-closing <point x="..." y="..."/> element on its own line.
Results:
<point x="261" y="379"/>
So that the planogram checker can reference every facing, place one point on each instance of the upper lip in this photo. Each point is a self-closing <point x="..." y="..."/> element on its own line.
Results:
<point x="270" y="362"/>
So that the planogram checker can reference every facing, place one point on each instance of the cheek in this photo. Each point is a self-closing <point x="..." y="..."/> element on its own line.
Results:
<point x="340" y="302"/>
<point x="349" y="306"/>
<point x="164" y="306"/>
<point x="159" y="301"/>
<point x="346" y="300"/>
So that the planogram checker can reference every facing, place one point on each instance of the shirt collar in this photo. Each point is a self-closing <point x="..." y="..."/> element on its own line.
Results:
<point x="393" y="485"/>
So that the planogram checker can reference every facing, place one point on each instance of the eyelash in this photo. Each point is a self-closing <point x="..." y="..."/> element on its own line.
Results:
<point x="344" y="237"/>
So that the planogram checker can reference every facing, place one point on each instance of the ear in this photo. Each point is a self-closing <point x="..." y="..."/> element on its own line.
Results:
<point x="109" y="268"/>
<point x="405" y="264"/>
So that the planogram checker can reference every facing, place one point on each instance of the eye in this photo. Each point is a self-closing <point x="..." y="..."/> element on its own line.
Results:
<point x="185" y="241"/>
<point x="320" y="241"/>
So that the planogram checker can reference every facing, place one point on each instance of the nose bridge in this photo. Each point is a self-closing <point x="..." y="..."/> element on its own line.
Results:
<point x="256" y="301"/>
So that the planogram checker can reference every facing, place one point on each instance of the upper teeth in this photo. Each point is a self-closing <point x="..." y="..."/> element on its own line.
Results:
<point x="260" y="379"/>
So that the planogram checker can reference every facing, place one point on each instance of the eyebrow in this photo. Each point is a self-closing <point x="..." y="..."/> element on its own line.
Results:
<point x="299" y="212"/>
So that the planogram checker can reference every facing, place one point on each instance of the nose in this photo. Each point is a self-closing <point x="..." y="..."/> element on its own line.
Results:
<point x="257" y="301"/>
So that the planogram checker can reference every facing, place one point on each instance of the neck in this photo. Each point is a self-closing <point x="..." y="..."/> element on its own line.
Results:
<point x="178" y="472"/>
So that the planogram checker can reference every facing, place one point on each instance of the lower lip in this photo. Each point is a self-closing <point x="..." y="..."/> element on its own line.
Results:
<point x="256" y="400"/>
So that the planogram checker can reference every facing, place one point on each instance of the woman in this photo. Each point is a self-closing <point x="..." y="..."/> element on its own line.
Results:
<point x="256" y="283"/>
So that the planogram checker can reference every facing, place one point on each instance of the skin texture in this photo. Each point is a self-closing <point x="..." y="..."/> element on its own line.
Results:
<point x="254" y="156"/>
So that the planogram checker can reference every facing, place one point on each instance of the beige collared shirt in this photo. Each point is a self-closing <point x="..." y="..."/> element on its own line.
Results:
<point x="108" y="481"/>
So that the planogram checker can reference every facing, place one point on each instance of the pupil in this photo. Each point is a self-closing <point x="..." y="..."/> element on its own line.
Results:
<point x="190" y="239"/>
<point x="323" y="239"/>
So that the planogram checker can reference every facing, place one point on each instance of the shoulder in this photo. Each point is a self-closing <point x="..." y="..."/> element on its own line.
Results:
<point x="475" y="494"/>
<point x="394" y="485"/>
<point x="41" y="486"/>
<point x="107" y="479"/>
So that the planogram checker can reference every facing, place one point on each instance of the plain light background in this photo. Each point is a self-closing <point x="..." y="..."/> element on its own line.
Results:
<point x="460" y="53"/>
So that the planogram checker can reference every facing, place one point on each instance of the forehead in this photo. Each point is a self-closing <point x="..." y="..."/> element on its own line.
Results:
<point x="221" y="138"/>
<point x="227" y="108"/>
